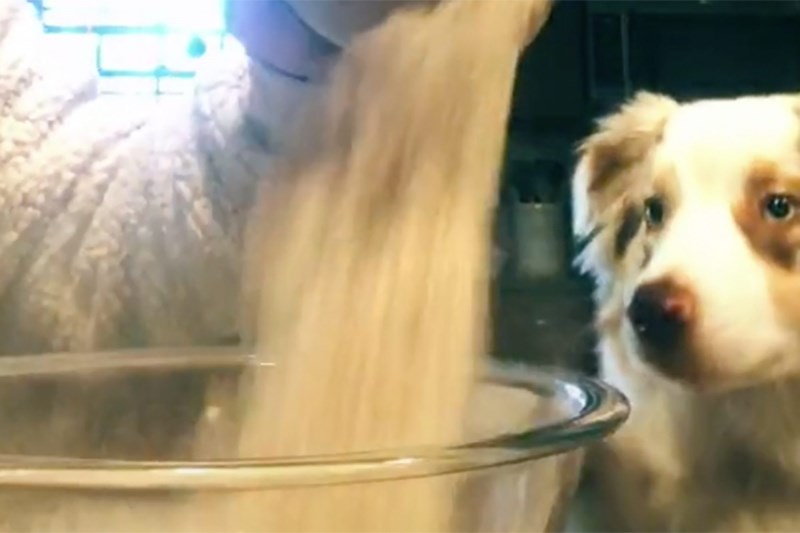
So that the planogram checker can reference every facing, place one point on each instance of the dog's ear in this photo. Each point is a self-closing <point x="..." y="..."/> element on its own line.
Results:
<point x="606" y="169"/>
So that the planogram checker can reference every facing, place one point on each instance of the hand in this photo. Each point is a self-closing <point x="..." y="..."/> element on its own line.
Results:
<point x="298" y="37"/>
<point x="273" y="35"/>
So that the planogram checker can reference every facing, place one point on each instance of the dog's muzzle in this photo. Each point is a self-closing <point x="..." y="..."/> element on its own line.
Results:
<point x="661" y="313"/>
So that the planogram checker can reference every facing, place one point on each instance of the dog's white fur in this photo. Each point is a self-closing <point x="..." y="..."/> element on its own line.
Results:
<point x="724" y="454"/>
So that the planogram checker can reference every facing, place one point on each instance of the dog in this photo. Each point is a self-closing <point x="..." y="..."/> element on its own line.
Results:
<point x="689" y="213"/>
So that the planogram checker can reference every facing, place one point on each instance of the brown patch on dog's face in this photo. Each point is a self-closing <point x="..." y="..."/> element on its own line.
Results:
<point x="769" y="215"/>
<point x="617" y="154"/>
<point x="626" y="138"/>
<point x="777" y="242"/>
<point x="628" y="227"/>
<point x="615" y="164"/>
<point x="786" y="288"/>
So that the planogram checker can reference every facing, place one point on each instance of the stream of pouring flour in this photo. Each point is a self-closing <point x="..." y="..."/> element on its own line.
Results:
<point x="374" y="263"/>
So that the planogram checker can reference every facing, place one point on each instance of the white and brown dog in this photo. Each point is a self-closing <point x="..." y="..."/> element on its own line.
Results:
<point x="691" y="217"/>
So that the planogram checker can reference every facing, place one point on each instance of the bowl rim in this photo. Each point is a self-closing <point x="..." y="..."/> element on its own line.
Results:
<point x="604" y="409"/>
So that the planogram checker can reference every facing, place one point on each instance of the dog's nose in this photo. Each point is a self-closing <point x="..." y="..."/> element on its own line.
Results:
<point x="660" y="312"/>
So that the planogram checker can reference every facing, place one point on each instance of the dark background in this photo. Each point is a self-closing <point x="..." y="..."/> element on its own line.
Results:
<point x="594" y="53"/>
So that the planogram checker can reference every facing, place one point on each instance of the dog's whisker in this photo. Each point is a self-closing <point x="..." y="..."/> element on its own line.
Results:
<point x="581" y="242"/>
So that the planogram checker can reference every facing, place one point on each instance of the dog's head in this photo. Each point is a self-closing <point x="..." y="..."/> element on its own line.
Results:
<point x="690" y="215"/>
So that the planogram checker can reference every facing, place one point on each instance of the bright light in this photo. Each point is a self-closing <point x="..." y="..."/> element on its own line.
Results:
<point x="189" y="15"/>
<point x="136" y="45"/>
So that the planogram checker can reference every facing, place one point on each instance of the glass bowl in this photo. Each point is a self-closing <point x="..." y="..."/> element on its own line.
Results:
<point x="109" y="442"/>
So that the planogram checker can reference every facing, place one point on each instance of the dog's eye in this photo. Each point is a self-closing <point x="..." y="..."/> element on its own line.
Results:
<point x="654" y="211"/>
<point x="778" y="207"/>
